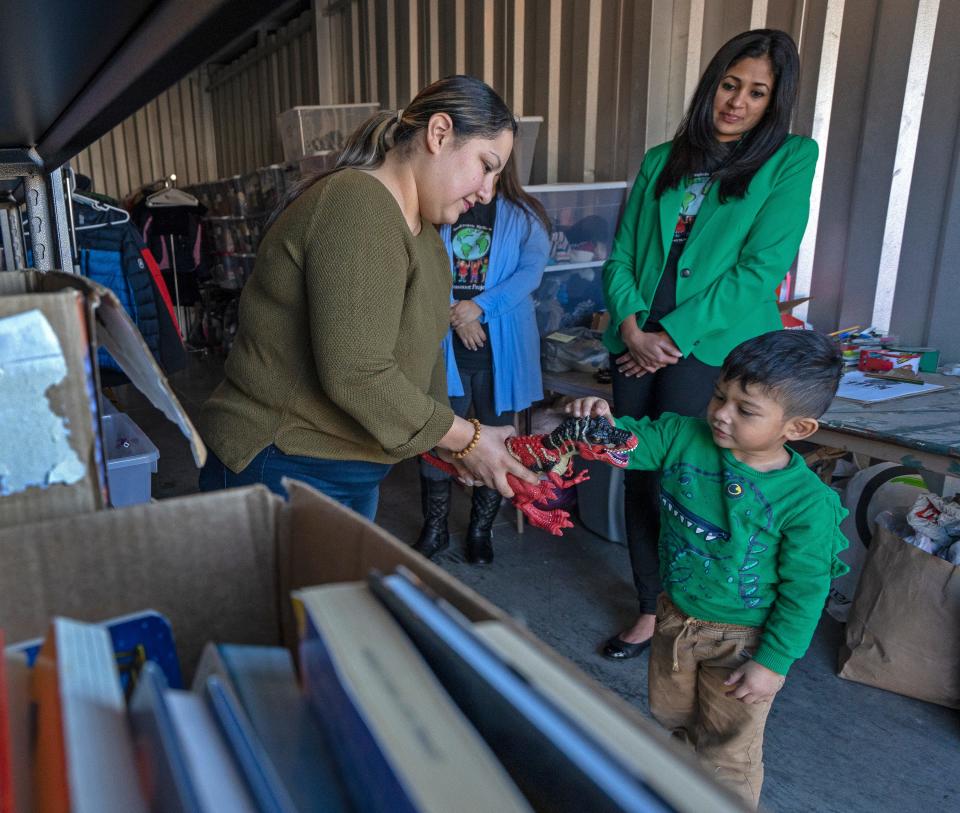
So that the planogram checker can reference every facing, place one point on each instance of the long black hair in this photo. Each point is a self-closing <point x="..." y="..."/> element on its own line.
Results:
<point x="509" y="188"/>
<point x="475" y="109"/>
<point x="695" y="146"/>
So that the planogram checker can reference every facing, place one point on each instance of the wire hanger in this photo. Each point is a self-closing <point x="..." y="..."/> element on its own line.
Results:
<point x="97" y="205"/>
<point x="171" y="196"/>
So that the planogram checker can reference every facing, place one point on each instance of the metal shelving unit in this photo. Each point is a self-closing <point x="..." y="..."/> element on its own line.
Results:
<point x="70" y="70"/>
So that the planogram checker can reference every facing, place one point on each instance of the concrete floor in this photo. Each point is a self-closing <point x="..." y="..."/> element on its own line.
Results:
<point x="831" y="746"/>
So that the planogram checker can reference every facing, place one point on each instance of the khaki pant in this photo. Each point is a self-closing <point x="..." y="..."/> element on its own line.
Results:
<point x="689" y="661"/>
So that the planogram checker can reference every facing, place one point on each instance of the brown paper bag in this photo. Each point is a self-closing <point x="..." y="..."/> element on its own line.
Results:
<point x="903" y="633"/>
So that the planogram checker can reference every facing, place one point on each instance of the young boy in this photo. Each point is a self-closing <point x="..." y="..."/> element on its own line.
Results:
<point x="748" y="545"/>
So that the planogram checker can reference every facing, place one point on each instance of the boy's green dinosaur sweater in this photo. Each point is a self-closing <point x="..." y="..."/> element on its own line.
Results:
<point x="740" y="546"/>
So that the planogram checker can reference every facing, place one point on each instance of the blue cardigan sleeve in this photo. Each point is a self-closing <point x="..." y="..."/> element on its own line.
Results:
<point x="526" y="276"/>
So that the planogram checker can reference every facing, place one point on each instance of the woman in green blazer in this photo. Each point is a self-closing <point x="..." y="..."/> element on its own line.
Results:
<point x="714" y="220"/>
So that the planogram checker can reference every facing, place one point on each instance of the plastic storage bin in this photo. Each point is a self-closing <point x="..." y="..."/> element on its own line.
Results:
<point x="231" y="271"/>
<point x="263" y="189"/>
<point x="223" y="198"/>
<point x="316" y="163"/>
<point x="525" y="146"/>
<point x="600" y="500"/>
<point x="308" y="130"/>
<point x="585" y="218"/>
<point x="131" y="459"/>
<point x="568" y="298"/>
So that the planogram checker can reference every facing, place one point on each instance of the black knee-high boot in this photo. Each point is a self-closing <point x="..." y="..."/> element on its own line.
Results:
<point x="486" y="504"/>
<point x="435" y="501"/>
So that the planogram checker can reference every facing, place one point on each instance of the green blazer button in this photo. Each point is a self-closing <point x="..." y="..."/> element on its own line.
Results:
<point x="685" y="272"/>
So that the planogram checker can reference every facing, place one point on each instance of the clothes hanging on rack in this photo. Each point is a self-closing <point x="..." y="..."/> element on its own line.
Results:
<point x="182" y="226"/>
<point x="114" y="255"/>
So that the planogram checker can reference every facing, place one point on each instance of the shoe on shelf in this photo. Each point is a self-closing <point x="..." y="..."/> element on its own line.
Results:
<point x="616" y="649"/>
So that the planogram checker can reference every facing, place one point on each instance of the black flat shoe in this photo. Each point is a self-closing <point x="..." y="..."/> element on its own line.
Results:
<point x="615" y="649"/>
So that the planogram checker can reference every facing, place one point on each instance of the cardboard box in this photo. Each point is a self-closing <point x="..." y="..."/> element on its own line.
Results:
<point x="51" y="458"/>
<point x="221" y="567"/>
<point x="49" y="461"/>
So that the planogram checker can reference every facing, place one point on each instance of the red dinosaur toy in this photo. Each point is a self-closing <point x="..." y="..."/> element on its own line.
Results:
<point x="551" y="456"/>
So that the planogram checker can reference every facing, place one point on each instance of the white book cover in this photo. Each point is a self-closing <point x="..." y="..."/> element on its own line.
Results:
<point x="859" y="387"/>
<point x="215" y="775"/>
<point x="435" y="752"/>
<point x="101" y="773"/>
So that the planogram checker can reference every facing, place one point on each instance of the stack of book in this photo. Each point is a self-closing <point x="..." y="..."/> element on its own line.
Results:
<point x="401" y="705"/>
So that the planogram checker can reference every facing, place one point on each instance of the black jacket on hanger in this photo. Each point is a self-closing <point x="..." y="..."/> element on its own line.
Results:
<point x="183" y="223"/>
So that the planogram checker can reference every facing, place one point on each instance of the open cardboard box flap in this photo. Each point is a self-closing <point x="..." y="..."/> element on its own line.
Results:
<point x="117" y="333"/>
<point x="221" y="567"/>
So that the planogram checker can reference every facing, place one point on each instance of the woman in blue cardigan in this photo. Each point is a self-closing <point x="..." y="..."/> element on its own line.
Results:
<point x="498" y="251"/>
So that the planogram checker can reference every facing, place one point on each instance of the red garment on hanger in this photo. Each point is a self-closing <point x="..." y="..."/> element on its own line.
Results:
<point x="161" y="284"/>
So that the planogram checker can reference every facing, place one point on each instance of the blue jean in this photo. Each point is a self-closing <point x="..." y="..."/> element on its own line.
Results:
<point x="354" y="483"/>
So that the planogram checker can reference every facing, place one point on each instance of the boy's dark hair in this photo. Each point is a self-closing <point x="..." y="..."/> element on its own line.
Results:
<point x="800" y="368"/>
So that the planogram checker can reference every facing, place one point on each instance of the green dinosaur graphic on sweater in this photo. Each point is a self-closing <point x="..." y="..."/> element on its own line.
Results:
<point x="737" y="545"/>
<point x="696" y="542"/>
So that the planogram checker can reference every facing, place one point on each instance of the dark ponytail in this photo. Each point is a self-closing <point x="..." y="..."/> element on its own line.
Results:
<point x="475" y="109"/>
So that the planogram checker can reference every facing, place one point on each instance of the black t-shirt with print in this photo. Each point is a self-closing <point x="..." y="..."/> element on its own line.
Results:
<point x="471" y="238"/>
<point x="665" y="298"/>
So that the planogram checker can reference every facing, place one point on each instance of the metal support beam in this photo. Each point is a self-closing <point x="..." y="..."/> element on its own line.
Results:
<point x="60" y="219"/>
<point x="16" y="237"/>
<point x="9" y="262"/>
<point x="38" y="213"/>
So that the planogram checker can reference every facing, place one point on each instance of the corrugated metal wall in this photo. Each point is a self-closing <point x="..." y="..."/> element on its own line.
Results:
<point x="172" y="134"/>
<point x="610" y="78"/>
<point x="248" y="94"/>
<point x="888" y="244"/>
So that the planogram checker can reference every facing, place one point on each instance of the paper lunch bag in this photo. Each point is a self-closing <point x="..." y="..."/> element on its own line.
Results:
<point x="903" y="632"/>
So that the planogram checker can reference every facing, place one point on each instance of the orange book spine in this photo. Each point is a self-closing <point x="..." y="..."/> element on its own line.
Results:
<point x="51" y="791"/>
<point x="7" y="800"/>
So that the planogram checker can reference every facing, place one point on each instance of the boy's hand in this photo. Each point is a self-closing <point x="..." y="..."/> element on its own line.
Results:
<point x="754" y="683"/>
<point x="590" y="406"/>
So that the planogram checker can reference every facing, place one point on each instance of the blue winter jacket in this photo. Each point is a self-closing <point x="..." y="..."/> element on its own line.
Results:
<point x="518" y="254"/>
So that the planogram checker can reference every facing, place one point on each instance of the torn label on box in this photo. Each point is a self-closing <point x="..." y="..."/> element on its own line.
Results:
<point x="34" y="445"/>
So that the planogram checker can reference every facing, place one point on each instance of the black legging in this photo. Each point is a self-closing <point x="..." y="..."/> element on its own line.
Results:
<point x="684" y="388"/>
<point x="477" y="390"/>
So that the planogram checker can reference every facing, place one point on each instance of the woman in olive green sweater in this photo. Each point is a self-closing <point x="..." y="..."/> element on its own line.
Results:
<point x="336" y="371"/>
<point x="713" y="223"/>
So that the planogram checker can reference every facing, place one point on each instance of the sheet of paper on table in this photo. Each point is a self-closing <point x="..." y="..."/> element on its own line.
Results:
<point x="856" y="386"/>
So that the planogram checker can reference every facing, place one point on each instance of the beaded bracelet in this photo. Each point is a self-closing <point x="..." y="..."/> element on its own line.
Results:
<point x="472" y="444"/>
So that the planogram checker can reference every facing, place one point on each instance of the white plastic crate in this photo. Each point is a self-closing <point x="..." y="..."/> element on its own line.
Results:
<point x="312" y="129"/>
<point x="584" y="218"/>
<point x="131" y="459"/>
